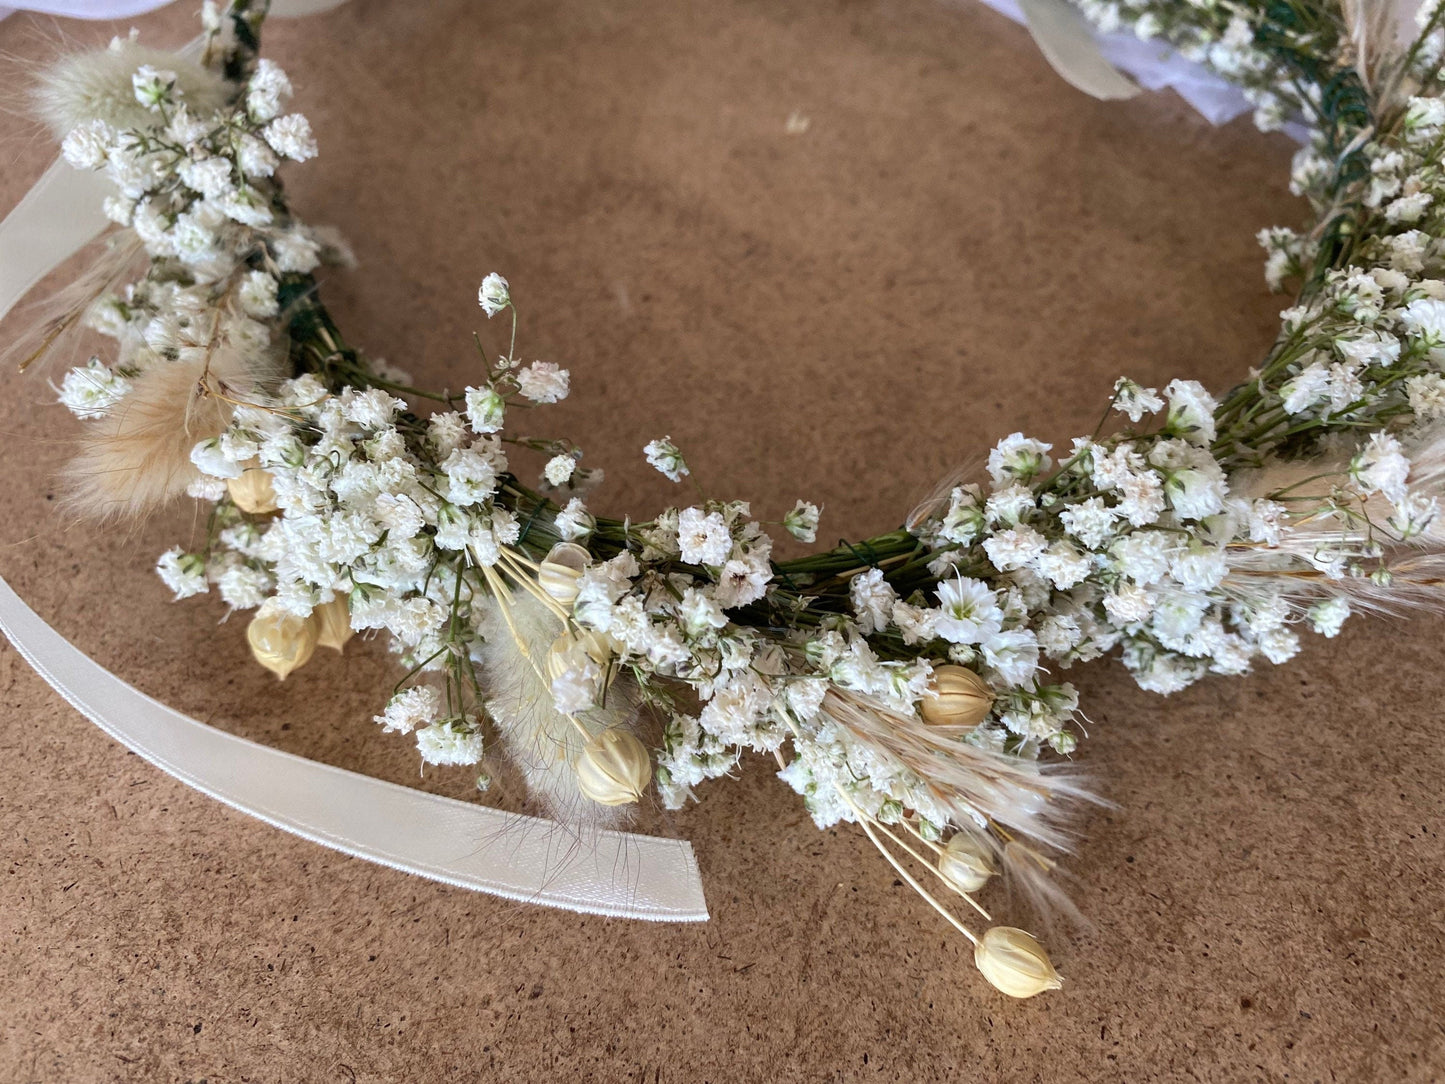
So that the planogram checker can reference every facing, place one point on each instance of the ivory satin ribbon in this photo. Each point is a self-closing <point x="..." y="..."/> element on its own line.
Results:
<point x="458" y="843"/>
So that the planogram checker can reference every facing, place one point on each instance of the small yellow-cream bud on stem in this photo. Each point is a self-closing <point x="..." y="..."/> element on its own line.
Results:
<point x="281" y="641"/>
<point x="956" y="697"/>
<point x="1014" y="962"/>
<point x="966" y="862"/>
<point x="333" y="623"/>
<point x="253" y="491"/>
<point x="614" y="768"/>
<point x="561" y="570"/>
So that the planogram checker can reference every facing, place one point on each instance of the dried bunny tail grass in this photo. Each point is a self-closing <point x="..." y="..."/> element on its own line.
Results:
<point x="138" y="457"/>
<point x="965" y="780"/>
<point x="542" y="741"/>
<point x="1370" y="28"/>
<point x="53" y="323"/>
<point x="96" y="85"/>
<point x="935" y="504"/>
<point x="1033" y="876"/>
<point x="1416" y="565"/>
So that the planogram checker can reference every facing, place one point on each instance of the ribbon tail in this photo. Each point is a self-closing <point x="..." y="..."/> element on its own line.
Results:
<point x="516" y="857"/>
<point x="1067" y="41"/>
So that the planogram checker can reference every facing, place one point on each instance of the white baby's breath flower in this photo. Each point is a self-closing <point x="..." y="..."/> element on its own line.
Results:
<point x="92" y="390"/>
<point x="1381" y="466"/>
<point x="295" y="250"/>
<point x="968" y="611"/>
<point x="210" y="458"/>
<point x="1426" y="393"/>
<point x="486" y="409"/>
<point x="290" y="136"/>
<point x="543" y="382"/>
<point x="1091" y="521"/>
<point x="184" y="573"/>
<point x="574" y="522"/>
<point x="152" y="85"/>
<point x="873" y="600"/>
<point x="1017" y="547"/>
<point x="1017" y="458"/>
<point x="267" y="91"/>
<point x="451" y="742"/>
<point x="1191" y="411"/>
<point x="86" y="146"/>
<point x="411" y="708"/>
<point x="1135" y="400"/>
<point x="802" y="522"/>
<point x="559" y="468"/>
<point x="1328" y="615"/>
<point x="703" y="537"/>
<point x="494" y="295"/>
<point x="257" y="295"/>
<point x="665" y="456"/>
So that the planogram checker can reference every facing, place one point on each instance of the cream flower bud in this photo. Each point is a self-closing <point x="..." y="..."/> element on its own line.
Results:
<point x="957" y="697"/>
<point x="966" y="862"/>
<point x="1014" y="962"/>
<point x="253" y="492"/>
<point x="333" y="623"/>
<point x="614" y="768"/>
<point x="280" y="640"/>
<point x="561" y="570"/>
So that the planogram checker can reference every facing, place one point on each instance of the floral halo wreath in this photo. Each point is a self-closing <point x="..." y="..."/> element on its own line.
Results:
<point x="906" y="682"/>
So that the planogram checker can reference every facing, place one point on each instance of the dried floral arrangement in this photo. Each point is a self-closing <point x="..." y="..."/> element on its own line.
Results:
<point x="908" y="683"/>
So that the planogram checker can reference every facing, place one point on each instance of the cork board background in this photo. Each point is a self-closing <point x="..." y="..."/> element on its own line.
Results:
<point x="958" y="246"/>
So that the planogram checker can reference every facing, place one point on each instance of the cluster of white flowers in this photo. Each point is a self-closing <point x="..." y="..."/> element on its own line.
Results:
<point x="196" y="188"/>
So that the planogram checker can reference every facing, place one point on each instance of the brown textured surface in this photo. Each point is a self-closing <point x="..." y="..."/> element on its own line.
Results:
<point x="958" y="246"/>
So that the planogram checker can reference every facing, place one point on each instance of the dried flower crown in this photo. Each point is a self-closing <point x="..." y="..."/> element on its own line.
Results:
<point x="906" y="682"/>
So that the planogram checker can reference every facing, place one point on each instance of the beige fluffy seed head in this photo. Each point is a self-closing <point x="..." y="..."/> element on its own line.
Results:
<point x="138" y="458"/>
<point x="281" y="641"/>
<point x="614" y="768"/>
<point x="966" y="862"/>
<point x="253" y="491"/>
<point x="957" y="697"/>
<point x="1014" y="962"/>
<point x="96" y="85"/>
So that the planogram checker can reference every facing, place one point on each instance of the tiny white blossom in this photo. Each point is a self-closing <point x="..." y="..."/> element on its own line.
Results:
<point x="543" y="382"/>
<point x="873" y="599"/>
<point x="257" y="295"/>
<point x="290" y="136"/>
<point x="703" y="537"/>
<point x="486" y="409"/>
<point x="1017" y="458"/>
<point x="802" y="522"/>
<point x="969" y="611"/>
<point x="184" y="573"/>
<point x="574" y="522"/>
<point x="494" y="295"/>
<point x="411" y="708"/>
<point x="152" y="86"/>
<point x="92" y="390"/>
<point x="559" y="468"/>
<point x="665" y="456"/>
<point x="453" y="742"/>
<point x="1135" y="400"/>
<point x="1328" y="615"/>
<point x="1191" y="411"/>
<point x="86" y="146"/>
